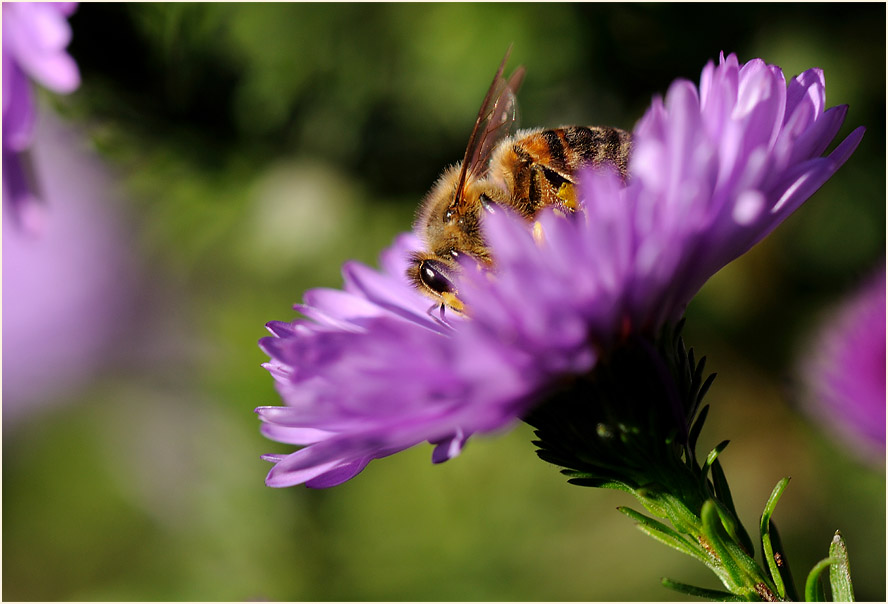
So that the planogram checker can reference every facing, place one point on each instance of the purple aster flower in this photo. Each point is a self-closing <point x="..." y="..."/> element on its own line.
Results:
<point x="371" y="371"/>
<point x="35" y="36"/>
<point x="844" y="373"/>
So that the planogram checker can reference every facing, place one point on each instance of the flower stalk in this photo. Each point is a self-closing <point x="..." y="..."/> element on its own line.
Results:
<point x="595" y="432"/>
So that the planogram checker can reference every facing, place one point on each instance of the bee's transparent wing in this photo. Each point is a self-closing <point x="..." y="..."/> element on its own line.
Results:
<point x="502" y="114"/>
<point x="498" y="113"/>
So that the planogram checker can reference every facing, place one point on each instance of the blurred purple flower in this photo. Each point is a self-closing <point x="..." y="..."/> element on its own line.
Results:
<point x="67" y="292"/>
<point x="35" y="36"/>
<point x="844" y="373"/>
<point x="371" y="371"/>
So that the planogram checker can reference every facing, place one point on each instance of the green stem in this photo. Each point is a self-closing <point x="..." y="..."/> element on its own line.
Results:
<point x="718" y="538"/>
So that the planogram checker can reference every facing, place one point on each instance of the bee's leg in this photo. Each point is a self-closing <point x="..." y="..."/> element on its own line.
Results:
<point x="540" y="175"/>
<point x="439" y="316"/>
<point x="434" y="316"/>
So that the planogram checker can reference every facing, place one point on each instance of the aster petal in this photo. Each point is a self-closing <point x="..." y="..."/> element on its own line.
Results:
<point x="449" y="448"/>
<point x="295" y="436"/>
<point x="813" y="174"/>
<point x="351" y="453"/>
<point x="38" y="34"/>
<point x="65" y="8"/>
<point x="721" y="94"/>
<point x="281" y="475"/>
<point x="846" y="148"/>
<point x="18" y="108"/>
<point x="389" y="293"/>
<point x="337" y="308"/>
<point x="814" y="141"/>
<point x="17" y="193"/>
<point x="339" y="474"/>
<point x="808" y="88"/>
<point x="761" y="102"/>
<point x="280" y="328"/>
<point x="273" y="457"/>
<point x="394" y="260"/>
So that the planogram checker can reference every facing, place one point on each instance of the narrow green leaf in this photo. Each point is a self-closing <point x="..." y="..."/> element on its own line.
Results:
<point x="700" y="592"/>
<point x="813" y="591"/>
<point x="664" y="534"/>
<point x="723" y="494"/>
<point x="696" y="374"/>
<point x="705" y="387"/>
<point x="600" y="483"/>
<point x="710" y="530"/>
<point x="840" y="571"/>
<point x="696" y="428"/>
<point x="720" y="484"/>
<point x="782" y="562"/>
<point x="732" y="526"/>
<point x="764" y="531"/>
<point x="713" y="455"/>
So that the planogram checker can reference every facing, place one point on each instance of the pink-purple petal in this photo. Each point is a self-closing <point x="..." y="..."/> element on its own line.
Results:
<point x="34" y="39"/>
<point x="339" y="474"/>
<point x="814" y="141"/>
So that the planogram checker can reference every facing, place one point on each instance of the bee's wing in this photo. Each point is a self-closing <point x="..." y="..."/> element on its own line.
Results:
<point x="501" y="117"/>
<point x="498" y="113"/>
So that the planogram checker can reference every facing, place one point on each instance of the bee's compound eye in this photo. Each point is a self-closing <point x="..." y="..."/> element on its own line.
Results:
<point x="431" y="273"/>
<point x="487" y="203"/>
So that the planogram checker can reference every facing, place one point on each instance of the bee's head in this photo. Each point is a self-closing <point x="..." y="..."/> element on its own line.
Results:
<point x="435" y="276"/>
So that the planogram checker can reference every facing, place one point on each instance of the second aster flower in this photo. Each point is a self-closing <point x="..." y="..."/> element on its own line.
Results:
<point x="844" y="372"/>
<point x="370" y="371"/>
<point x="35" y="36"/>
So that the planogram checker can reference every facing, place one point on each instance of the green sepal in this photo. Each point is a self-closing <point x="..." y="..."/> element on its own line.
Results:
<point x="840" y="571"/>
<point x="713" y="595"/>
<point x="764" y="531"/>
<point x="664" y="534"/>
<point x="723" y="494"/>
<point x="813" y="589"/>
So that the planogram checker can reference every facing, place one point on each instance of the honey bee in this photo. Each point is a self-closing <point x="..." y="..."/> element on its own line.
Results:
<point x="531" y="170"/>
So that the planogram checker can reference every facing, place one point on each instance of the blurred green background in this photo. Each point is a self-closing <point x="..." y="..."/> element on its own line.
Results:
<point x="257" y="147"/>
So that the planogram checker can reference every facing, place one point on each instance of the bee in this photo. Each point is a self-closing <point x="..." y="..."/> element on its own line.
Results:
<point x="527" y="172"/>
